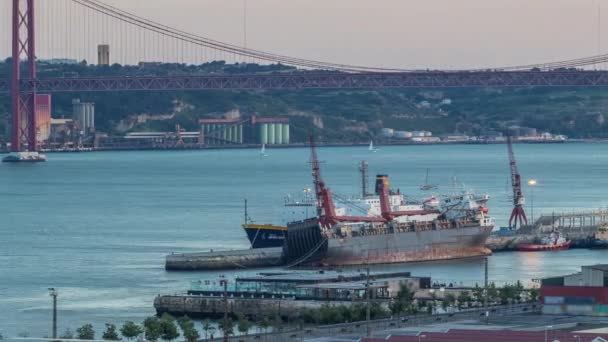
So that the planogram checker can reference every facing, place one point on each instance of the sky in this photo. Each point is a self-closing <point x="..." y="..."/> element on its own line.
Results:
<point x="387" y="33"/>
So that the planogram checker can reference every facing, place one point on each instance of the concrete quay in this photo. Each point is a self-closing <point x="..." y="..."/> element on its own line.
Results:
<point x="225" y="260"/>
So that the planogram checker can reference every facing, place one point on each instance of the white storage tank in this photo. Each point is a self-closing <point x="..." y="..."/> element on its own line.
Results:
<point x="427" y="134"/>
<point x="402" y="134"/>
<point x="286" y="133"/>
<point x="387" y="132"/>
<point x="418" y="134"/>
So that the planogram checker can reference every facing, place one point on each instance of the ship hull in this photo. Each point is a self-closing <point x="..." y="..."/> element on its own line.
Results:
<point x="408" y="247"/>
<point x="265" y="236"/>
<point x="307" y="245"/>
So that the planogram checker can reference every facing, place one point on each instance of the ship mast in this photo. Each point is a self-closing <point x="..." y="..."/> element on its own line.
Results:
<point x="363" y="168"/>
<point x="518" y="213"/>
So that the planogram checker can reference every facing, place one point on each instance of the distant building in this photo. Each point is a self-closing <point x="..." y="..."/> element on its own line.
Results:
<point x="43" y="116"/>
<point x="103" y="54"/>
<point x="271" y="131"/>
<point x="582" y="293"/>
<point x="83" y="114"/>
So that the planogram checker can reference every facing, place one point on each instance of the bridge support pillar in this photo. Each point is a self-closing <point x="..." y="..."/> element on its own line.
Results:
<point x="23" y="104"/>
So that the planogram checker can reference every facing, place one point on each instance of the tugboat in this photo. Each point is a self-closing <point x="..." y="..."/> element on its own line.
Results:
<point x="553" y="242"/>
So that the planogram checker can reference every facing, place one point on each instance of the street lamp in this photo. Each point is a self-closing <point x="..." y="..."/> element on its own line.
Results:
<point x="546" y="330"/>
<point x="532" y="183"/>
<point x="53" y="293"/>
<point x="578" y="338"/>
<point x="421" y="337"/>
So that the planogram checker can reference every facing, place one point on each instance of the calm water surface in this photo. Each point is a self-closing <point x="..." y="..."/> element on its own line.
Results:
<point x="98" y="225"/>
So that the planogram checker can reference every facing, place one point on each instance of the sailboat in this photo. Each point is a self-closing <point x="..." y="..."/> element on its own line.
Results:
<point x="371" y="147"/>
<point x="426" y="185"/>
<point x="263" y="151"/>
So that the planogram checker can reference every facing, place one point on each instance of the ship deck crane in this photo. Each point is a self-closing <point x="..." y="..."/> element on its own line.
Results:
<point x="517" y="215"/>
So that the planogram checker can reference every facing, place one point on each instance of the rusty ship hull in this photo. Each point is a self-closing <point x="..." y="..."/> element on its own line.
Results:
<point x="308" y="244"/>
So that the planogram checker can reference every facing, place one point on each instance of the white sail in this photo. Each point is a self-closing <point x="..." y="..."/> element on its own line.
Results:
<point x="263" y="151"/>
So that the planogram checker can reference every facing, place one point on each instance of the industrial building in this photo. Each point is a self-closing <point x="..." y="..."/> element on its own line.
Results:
<point x="83" y="114"/>
<point x="103" y="54"/>
<point x="256" y="130"/>
<point x="582" y="293"/>
<point x="43" y="116"/>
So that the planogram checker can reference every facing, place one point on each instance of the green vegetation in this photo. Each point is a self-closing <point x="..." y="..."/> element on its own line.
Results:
<point x="130" y="330"/>
<point x="337" y="115"/>
<point x="188" y="330"/>
<point x="85" y="332"/>
<point x="404" y="302"/>
<point x="226" y="327"/>
<point x="152" y="328"/>
<point x="111" y="334"/>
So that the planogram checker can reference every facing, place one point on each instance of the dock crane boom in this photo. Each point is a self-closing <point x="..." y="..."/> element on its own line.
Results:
<point x="518" y="214"/>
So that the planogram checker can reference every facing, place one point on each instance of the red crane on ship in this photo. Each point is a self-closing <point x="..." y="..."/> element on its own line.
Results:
<point x="326" y="209"/>
<point x="518" y="214"/>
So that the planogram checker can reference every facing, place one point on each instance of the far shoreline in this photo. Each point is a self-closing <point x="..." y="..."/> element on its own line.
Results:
<point x="319" y="144"/>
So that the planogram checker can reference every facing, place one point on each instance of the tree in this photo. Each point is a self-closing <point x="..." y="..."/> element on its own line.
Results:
<point x="448" y="300"/>
<point x="243" y="325"/>
<point x="478" y="293"/>
<point x="207" y="328"/>
<point x="534" y="294"/>
<point x="85" y="332"/>
<point x="110" y="334"/>
<point x="168" y="328"/>
<point x="130" y="330"/>
<point x="264" y="324"/>
<point x="152" y="328"/>
<point x="463" y="297"/>
<point x="188" y="330"/>
<point x="492" y="292"/>
<point x="67" y="334"/>
<point x="403" y="302"/>
<point x="228" y="329"/>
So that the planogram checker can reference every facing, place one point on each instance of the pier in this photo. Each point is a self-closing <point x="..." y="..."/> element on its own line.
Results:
<point x="225" y="260"/>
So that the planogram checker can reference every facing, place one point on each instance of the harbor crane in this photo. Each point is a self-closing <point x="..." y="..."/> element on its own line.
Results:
<point x="518" y="214"/>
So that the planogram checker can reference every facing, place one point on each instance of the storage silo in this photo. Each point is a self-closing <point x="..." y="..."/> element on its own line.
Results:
<point x="278" y="133"/>
<point x="229" y="133"/>
<point x="264" y="133"/>
<point x="286" y="133"/>
<point x="240" y="133"/>
<point x="271" y="137"/>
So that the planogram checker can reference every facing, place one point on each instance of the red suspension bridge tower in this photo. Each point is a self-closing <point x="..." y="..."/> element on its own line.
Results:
<point x="23" y="102"/>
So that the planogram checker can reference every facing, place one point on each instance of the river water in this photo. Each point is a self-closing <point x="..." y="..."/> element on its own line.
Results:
<point x="98" y="225"/>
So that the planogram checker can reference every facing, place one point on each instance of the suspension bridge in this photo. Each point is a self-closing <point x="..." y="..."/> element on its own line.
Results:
<point x="62" y="30"/>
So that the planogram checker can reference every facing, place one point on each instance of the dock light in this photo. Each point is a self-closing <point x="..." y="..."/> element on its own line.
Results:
<point x="53" y="293"/>
<point x="578" y="338"/>
<point x="532" y="182"/>
<point x="421" y="337"/>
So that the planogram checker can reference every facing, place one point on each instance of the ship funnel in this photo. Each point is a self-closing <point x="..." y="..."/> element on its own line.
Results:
<point x="381" y="183"/>
<point x="382" y="192"/>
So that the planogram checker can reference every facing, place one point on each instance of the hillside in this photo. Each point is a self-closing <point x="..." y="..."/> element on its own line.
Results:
<point x="337" y="115"/>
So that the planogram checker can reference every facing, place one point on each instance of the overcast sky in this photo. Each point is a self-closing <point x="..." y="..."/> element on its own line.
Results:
<point x="392" y="33"/>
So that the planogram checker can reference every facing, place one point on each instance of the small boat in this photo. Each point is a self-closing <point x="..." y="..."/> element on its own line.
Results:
<point x="426" y="185"/>
<point x="371" y="147"/>
<point x="263" y="151"/>
<point x="553" y="242"/>
<point x="24" y="157"/>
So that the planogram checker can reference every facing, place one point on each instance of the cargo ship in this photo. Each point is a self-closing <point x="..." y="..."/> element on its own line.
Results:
<point x="397" y="232"/>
